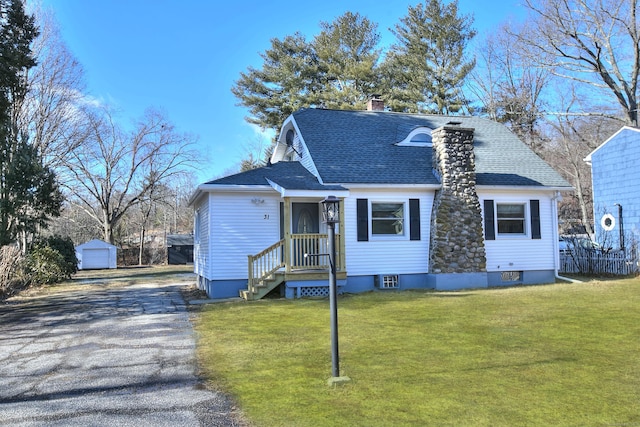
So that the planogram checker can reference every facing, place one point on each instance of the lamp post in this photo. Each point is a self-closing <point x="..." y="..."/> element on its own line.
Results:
<point x="331" y="216"/>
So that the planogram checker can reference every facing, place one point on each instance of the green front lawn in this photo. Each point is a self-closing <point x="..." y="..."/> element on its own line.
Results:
<point x="555" y="355"/>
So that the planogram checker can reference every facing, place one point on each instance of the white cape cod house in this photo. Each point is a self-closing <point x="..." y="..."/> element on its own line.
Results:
<point x="427" y="201"/>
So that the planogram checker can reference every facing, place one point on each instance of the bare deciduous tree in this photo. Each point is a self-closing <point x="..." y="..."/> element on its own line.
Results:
<point x="572" y="139"/>
<point x="113" y="170"/>
<point x="510" y="86"/>
<point x="74" y="223"/>
<point x="49" y="114"/>
<point x="156" y="202"/>
<point x="592" y="42"/>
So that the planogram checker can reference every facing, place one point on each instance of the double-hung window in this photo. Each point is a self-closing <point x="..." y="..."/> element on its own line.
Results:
<point x="387" y="218"/>
<point x="511" y="218"/>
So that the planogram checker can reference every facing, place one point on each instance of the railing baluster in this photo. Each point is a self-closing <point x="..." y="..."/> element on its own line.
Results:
<point x="271" y="259"/>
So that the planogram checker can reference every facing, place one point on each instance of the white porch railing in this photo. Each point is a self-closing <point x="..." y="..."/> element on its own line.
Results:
<point x="316" y="247"/>
<point x="272" y="259"/>
<point x="265" y="263"/>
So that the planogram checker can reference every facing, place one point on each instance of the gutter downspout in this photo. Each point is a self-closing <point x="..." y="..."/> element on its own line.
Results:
<point x="556" y="247"/>
<point x="621" y="228"/>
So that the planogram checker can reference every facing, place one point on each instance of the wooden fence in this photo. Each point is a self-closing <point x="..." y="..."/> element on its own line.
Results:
<point x="616" y="263"/>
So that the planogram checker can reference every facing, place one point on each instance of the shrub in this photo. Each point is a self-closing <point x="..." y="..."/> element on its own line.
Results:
<point x="12" y="277"/>
<point x="52" y="260"/>
<point x="45" y="265"/>
<point x="65" y="246"/>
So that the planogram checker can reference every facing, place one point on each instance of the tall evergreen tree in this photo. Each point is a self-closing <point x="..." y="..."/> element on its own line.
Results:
<point x="338" y="69"/>
<point x="425" y="70"/>
<point x="28" y="190"/>
<point x="348" y="53"/>
<point x="287" y="81"/>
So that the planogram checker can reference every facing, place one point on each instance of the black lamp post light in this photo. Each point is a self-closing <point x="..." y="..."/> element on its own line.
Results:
<point x="331" y="216"/>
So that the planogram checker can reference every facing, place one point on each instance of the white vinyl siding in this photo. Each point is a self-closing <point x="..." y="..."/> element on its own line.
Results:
<point x="519" y="252"/>
<point x="388" y="254"/>
<point x="201" y="238"/>
<point x="241" y="224"/>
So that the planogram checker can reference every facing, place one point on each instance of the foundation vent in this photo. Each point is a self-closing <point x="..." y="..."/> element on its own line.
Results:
<point x="387" y="281"/>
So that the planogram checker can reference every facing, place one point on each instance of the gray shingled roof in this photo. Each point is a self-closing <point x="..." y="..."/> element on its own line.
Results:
<point x="350" y="147"/>
<point x="289" y="175"/>
<point x="358" y="147"/>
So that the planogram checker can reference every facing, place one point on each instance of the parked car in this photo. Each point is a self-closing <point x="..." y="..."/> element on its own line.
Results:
<point x="577" y="243"/>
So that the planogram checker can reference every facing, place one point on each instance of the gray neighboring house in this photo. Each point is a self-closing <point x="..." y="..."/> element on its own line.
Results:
<point x="616" y="194"/>
<point x="426" y="202"/>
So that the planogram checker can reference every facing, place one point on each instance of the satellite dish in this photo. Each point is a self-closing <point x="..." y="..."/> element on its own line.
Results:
<point x="289" y="137"/>
<point x="608" y="222"/>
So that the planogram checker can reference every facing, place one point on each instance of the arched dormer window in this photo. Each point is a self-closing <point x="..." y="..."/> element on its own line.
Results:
<point x="419" y="137"/>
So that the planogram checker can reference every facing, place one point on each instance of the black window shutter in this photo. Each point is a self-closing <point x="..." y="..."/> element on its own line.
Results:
<point x="534" y="206"/>
<point x="414" y="219"/>
<point x="363" y="219"/>
<point x="489" y="225"/>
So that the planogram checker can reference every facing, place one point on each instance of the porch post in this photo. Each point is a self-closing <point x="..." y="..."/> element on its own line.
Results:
<point x="287" y="234"/>
<point x="341" y="226"/>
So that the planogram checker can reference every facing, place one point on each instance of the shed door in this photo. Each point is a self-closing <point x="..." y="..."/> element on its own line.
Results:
<point x="95" y="258"/>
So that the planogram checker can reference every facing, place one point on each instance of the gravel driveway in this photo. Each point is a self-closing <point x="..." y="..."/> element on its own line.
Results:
<point x="100" y="355"/>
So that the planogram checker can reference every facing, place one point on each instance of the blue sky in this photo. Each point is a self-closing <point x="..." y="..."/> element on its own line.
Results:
<point x="183" y="56"/>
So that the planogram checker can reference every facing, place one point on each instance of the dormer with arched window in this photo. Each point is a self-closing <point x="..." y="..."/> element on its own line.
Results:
<point x="418" y="137"/>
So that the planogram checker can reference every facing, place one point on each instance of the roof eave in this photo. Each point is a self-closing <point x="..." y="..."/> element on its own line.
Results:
<point x="390" y="186"/>
<point x="525" y="187"/>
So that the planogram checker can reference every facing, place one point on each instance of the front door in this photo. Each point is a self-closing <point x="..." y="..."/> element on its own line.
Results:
<point x="306" y="220"/>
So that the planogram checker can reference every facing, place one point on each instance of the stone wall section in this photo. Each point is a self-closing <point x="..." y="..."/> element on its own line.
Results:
<point x="457" y="241"/>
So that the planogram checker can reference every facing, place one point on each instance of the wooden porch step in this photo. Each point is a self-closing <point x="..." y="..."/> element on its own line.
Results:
<point x="261" y="289"/>
<point x="268" y="284"/>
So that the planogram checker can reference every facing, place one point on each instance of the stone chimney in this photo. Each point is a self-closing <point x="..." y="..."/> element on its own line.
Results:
<point x="375" y="104"/>
<point x="457" y="241"/>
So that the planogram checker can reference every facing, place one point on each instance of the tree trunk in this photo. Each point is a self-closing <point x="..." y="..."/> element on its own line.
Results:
<point x="107" y="227"/>
<point x="142" y="232"/>
<point x="633" y="113"/>
<point x="583" y="206"/>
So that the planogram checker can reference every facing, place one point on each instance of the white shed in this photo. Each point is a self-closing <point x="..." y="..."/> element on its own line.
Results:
<point x="96" y="254"/>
